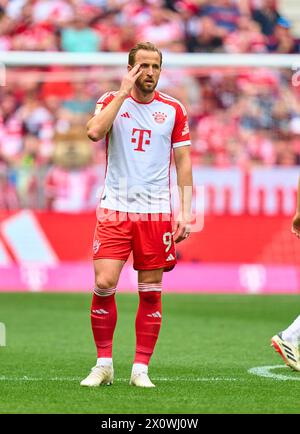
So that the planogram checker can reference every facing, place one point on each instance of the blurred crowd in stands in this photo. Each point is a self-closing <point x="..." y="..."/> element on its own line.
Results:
<point x="237" y="26"/>
<point x="238" y="117"/>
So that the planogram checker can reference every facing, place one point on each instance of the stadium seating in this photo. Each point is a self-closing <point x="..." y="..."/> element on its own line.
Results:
<point x="240" y="118"/>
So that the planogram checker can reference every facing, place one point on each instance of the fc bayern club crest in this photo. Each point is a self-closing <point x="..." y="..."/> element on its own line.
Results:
<point x="96" y="246"/>
<point x="159" y="117"/>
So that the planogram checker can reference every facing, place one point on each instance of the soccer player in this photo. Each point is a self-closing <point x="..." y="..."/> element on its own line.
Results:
<point x="143" y="128"/>
<point x="286" y="343"/>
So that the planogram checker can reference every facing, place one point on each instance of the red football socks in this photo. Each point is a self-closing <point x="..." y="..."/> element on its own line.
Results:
<point x="148" y="321"/>
<point x="104" y="319"/>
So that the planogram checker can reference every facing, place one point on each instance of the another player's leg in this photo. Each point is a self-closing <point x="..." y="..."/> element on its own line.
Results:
<point x="287" y="343"/>
<point x="103" y="319"/>
<point x="148" y="323"/>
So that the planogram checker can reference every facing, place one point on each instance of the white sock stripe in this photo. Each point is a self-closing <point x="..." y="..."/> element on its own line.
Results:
<point x="104" y="292"/>
<point x="150" y="290"/>
<point x="147" y="287"/>
<point x="150" y="285"/>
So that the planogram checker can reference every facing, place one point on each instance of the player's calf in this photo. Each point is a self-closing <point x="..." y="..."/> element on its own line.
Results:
<point x="148" y="321"/>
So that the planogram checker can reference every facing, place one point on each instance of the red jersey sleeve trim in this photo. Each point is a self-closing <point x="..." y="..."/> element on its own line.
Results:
<point x="103" y="101"/>
<point x="181" y="133"/>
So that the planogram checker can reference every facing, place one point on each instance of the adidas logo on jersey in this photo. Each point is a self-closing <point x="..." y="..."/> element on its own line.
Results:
<point x="170" y="257"/>
<point x="125" y="115"/>
<point x="155" y="314"/>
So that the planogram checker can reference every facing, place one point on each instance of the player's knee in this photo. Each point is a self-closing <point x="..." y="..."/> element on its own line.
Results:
<point x="105" y="282"/>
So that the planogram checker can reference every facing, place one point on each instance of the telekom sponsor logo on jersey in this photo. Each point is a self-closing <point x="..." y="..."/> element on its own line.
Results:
<point x="141" y="137"/>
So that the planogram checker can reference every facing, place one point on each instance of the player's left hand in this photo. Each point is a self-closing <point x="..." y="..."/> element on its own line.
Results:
<point x="296" y="225"/>
<point x="181" y="230"/>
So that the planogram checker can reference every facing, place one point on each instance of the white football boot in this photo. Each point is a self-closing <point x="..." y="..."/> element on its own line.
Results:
<point x="99" y="375"/>
<point x="140" y="379"/>
<point x="289" y="352"/>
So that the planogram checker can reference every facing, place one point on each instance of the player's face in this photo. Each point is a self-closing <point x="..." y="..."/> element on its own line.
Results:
<point x="150" y="65"/>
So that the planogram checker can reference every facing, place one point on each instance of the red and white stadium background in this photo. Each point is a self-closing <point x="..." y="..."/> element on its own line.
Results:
<point x="245" y="245"/>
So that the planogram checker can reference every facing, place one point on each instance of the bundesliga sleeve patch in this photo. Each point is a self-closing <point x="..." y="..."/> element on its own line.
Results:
<point x="98" y="108"/>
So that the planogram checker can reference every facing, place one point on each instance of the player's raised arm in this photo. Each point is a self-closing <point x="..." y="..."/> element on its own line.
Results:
<point x="296" y="219"/>
<point x="101" y="123"/>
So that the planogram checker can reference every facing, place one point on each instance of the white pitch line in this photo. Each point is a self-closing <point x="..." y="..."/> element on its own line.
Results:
<point x="195" y="379"/>
<point x="264" y="371"/>
<point x="203" y="379"/>
<point x="260" y="371"/>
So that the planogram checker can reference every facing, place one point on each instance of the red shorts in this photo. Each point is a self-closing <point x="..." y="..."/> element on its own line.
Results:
<point x="148" y="236"/>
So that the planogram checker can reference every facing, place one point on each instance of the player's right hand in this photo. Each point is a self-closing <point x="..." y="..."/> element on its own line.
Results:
<point x="296" y="225"/>
<point x="130" y="79"/>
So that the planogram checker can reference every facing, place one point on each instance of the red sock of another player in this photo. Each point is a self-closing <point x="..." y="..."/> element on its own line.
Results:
<point x="104" y="319"/>
<point x="148" y="321"/>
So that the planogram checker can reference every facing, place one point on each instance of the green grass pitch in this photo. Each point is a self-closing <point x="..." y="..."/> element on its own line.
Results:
<point x="206" y="347"/>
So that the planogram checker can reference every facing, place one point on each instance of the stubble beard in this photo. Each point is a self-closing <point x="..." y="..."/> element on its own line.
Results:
<point x="144" y="88"/>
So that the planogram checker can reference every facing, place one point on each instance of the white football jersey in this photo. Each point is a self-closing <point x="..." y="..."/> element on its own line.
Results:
<point x="138" y="153"/>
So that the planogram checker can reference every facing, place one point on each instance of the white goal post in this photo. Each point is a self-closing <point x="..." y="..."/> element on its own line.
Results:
<point x="45" y="58"/>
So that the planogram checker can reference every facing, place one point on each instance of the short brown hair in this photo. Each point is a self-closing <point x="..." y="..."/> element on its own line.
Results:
<point x="148" y="46"/>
